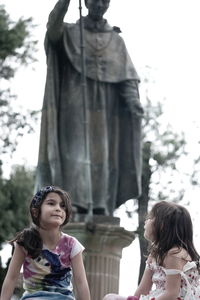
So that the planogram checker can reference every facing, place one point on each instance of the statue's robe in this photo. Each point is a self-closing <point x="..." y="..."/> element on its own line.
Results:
<point x="114" y="131"/>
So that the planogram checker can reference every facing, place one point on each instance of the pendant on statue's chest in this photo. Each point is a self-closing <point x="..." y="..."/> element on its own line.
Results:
<point x="99" y="41"/>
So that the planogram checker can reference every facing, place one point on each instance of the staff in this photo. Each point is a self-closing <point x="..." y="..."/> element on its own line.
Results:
<point x="86" y="115"/>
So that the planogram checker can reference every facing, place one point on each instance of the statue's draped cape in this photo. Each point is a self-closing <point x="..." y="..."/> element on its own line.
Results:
<point x="114" y="131"/>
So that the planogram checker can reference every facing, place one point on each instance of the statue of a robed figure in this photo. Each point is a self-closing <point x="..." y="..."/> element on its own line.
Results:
<point x="113" y="109"/>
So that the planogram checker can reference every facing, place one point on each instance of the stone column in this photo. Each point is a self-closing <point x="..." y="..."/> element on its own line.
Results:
<point x="104" y="241"/>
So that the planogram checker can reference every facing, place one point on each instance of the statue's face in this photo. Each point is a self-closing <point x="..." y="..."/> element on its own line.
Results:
<point x="97" y="8"/>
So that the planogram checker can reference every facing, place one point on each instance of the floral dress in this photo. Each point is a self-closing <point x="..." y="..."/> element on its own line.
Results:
<point x="190" y="281"/>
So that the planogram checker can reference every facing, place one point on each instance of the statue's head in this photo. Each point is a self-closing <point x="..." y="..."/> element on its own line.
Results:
<point x="97" y="8"/>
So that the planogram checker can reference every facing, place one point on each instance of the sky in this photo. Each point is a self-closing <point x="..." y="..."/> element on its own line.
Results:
<point x="160" y="34"/>
<point x="162" y="37"/>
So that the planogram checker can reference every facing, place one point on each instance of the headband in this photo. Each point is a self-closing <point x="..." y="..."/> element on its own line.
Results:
<point x="39" y="196"/>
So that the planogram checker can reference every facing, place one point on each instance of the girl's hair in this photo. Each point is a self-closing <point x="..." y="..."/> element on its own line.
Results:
<point x="172" y="227"/>
<point x="30" y="238"/>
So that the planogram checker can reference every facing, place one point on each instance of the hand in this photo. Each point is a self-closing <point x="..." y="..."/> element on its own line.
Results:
<point x="138" y="110"/>
<point x="135" y="107"/>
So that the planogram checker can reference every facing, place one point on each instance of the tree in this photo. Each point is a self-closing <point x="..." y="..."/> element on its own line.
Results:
<point x="16" y="49"/>
<point x="15" y="194"/>
<point x="162" y="150"/>
<point x="195" y="170"/>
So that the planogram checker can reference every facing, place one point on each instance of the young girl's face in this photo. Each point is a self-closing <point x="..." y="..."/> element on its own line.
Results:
<point x="149" y="229"/>
<point x="52" y="211"/>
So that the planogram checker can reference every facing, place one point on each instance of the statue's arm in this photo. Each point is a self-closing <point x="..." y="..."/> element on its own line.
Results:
<point x="130" y="93"/>
<point x="55" y="22"/>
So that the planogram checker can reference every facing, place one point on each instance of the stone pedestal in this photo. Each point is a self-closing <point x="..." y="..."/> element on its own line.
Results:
<point x="104" y="241"/>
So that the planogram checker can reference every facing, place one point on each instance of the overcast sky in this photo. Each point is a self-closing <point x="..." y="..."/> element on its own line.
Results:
<point x="161" y="34"/>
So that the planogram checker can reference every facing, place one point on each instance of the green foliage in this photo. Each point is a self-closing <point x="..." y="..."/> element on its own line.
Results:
<point x="15" y="45"/>
<point x="166" y="151"/>
<point x="162" y="149"/>
<point x="16" y="48"/>
<point x="13" y="123"/>
<point x="15" y="194"/>
<point x="195" y="169"/>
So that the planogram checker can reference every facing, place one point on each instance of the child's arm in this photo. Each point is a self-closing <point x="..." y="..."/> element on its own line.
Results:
<point x="146" y="281"/>
<point x="13" y="273"/>
<point x="173" y="282"/>
<point x="80" y="277"/>
<point x="145" y="284"/>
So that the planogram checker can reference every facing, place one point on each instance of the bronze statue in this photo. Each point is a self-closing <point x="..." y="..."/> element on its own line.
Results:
<point x="113" y="107"/>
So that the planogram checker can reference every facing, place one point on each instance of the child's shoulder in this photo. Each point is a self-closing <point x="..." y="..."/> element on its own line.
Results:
<point x="71" y="243"/>
<point x="20" y="248"/>
<point x="67" y="238"/>
<point x="176" y="258"/>
<point x="180" y="253"/>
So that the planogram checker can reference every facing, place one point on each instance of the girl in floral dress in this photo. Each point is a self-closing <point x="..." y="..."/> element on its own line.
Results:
<point x="172" y="269"/>
<point x="49" y="256"/>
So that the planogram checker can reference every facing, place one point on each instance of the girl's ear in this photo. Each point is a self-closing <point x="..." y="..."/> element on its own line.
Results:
<point x="34" y="212"/>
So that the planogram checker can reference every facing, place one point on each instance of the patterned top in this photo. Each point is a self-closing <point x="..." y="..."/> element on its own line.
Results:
<point x="190" y="281"/>
<point x="51" y="271"/>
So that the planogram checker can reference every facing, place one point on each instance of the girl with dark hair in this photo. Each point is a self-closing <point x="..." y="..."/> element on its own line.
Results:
<point x="48" y="255"/>
<point x="172" y="269"/>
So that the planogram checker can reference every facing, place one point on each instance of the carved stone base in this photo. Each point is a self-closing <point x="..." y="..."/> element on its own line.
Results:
<point x="104" y="241"/>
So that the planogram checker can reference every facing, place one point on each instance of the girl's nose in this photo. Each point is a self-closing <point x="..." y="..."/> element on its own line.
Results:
<point x="58" y="207"/>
